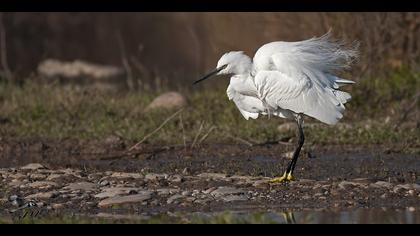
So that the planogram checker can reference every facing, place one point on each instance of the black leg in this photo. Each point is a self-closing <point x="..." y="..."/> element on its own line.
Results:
<point x="292" y="164"/>
<point x="287" y="176"/>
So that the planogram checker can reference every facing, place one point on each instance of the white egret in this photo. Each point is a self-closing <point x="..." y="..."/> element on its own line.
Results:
<point x="289" y="80"/>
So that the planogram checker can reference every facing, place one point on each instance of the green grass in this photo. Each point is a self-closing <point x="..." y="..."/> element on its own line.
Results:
<point x="51" y="111"/>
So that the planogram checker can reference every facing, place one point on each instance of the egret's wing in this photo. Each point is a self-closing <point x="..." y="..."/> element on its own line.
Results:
<point x="318" y="58"/>
<point x="249" y="106"/>
<point x="300" y="94"/>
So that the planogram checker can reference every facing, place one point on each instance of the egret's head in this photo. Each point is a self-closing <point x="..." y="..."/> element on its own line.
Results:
<point x="231" y="63"/>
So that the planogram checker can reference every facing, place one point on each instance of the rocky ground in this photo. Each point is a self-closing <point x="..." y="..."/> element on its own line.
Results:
<point x="173" y="182"/>
<point x="102" y="180"/>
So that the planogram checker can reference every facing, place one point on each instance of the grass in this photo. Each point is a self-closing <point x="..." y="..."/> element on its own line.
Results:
<point x="50" y="111"/>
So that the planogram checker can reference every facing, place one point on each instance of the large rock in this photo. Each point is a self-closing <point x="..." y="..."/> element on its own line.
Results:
<point x="77" y="69"/>
<point x="103" y="77"/>
<point x="33" y="166"/>
<point x="170" y="100"/>
<point x="288" y="127"/>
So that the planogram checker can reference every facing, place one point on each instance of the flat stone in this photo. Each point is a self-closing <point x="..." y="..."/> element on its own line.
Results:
<point x="18" y="176"/>
<point x="43" y="195"/>
<point x="122" y="175"/>
<point x="381" y="184"/>
<point x="186" y="193"/>
<point x="209" y="190"/>
<point x="84" y="186"/>
<point x="223" y="191"/>
<point x="169" y="100"/>
<point x="37" y="176"/>
<point x="32" y="166"/>
<point x="57" y="206"/>
<point x="407" y="187"/>
<point x="175" y="179"/>
<point x="16" y="183"/>
<point x="212" y="176"/>
<point x="104" y="183"/>
<point x="347" y="184"/>
<point x="42" y="184"/>
<point x="117" y="191"/>
<point x="53" y="177"/>
<point x="174" y="198"/>
<point x="118" y="200"/>
<point x="155" y="177"/>
<point x="362" y="180"/>
<point x="202" y="201"/>
<point x="122" y="217"/>
<point x="234" y="198"/>
<point x="260" y="183"/>
<point x="166" y="191"/>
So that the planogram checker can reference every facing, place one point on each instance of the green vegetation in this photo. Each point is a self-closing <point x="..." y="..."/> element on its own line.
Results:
<point x="51" y="111"/>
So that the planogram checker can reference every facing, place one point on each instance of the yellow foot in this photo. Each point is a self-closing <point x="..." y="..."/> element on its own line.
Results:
<point x="287" y="177"/>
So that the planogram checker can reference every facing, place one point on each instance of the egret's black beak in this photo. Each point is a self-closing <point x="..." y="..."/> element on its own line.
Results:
<point x="217" y="70"/>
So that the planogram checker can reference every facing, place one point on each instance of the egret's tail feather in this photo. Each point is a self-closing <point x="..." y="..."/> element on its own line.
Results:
<point x="342" y="97"/>
<point x="344" y="81"/>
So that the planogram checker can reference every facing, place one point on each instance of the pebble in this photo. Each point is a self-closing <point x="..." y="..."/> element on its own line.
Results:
<point x="174" y="198"/>
<point x="54" y="177"/>
<point x="234" y="198"/>
<point x="207" y="191"/>
<point x="212" y="176"/>
<point x="175" y="179"/>
<point x="42" y="184"/>
<point x="186" y="193"/>
<point x="166" y="191"/>
<point x="155" y="177"/>
<point x="126" y="175"/>
<point x="381" y="184"/>
<point x="37" y="177"/>
<point x="346" y="185"/>
<point x="104" y="183"/>
<point x="57" y="206"/>
<point x="117" y="191"/>
<point x="260" y="183"/>
<point x="222" y="191"/>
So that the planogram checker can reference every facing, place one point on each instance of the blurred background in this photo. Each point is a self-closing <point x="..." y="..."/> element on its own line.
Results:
<point x="143" y="55"/>
<point x="181" y="46"/>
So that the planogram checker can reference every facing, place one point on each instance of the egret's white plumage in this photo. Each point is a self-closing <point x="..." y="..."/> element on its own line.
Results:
<point x="288" y="78"/>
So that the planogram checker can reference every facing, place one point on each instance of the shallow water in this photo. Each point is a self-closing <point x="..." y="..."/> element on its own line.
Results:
<point x="358" y="216"/>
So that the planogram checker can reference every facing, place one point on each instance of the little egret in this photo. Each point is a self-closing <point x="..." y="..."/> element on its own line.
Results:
<point x="289" y="80"/>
